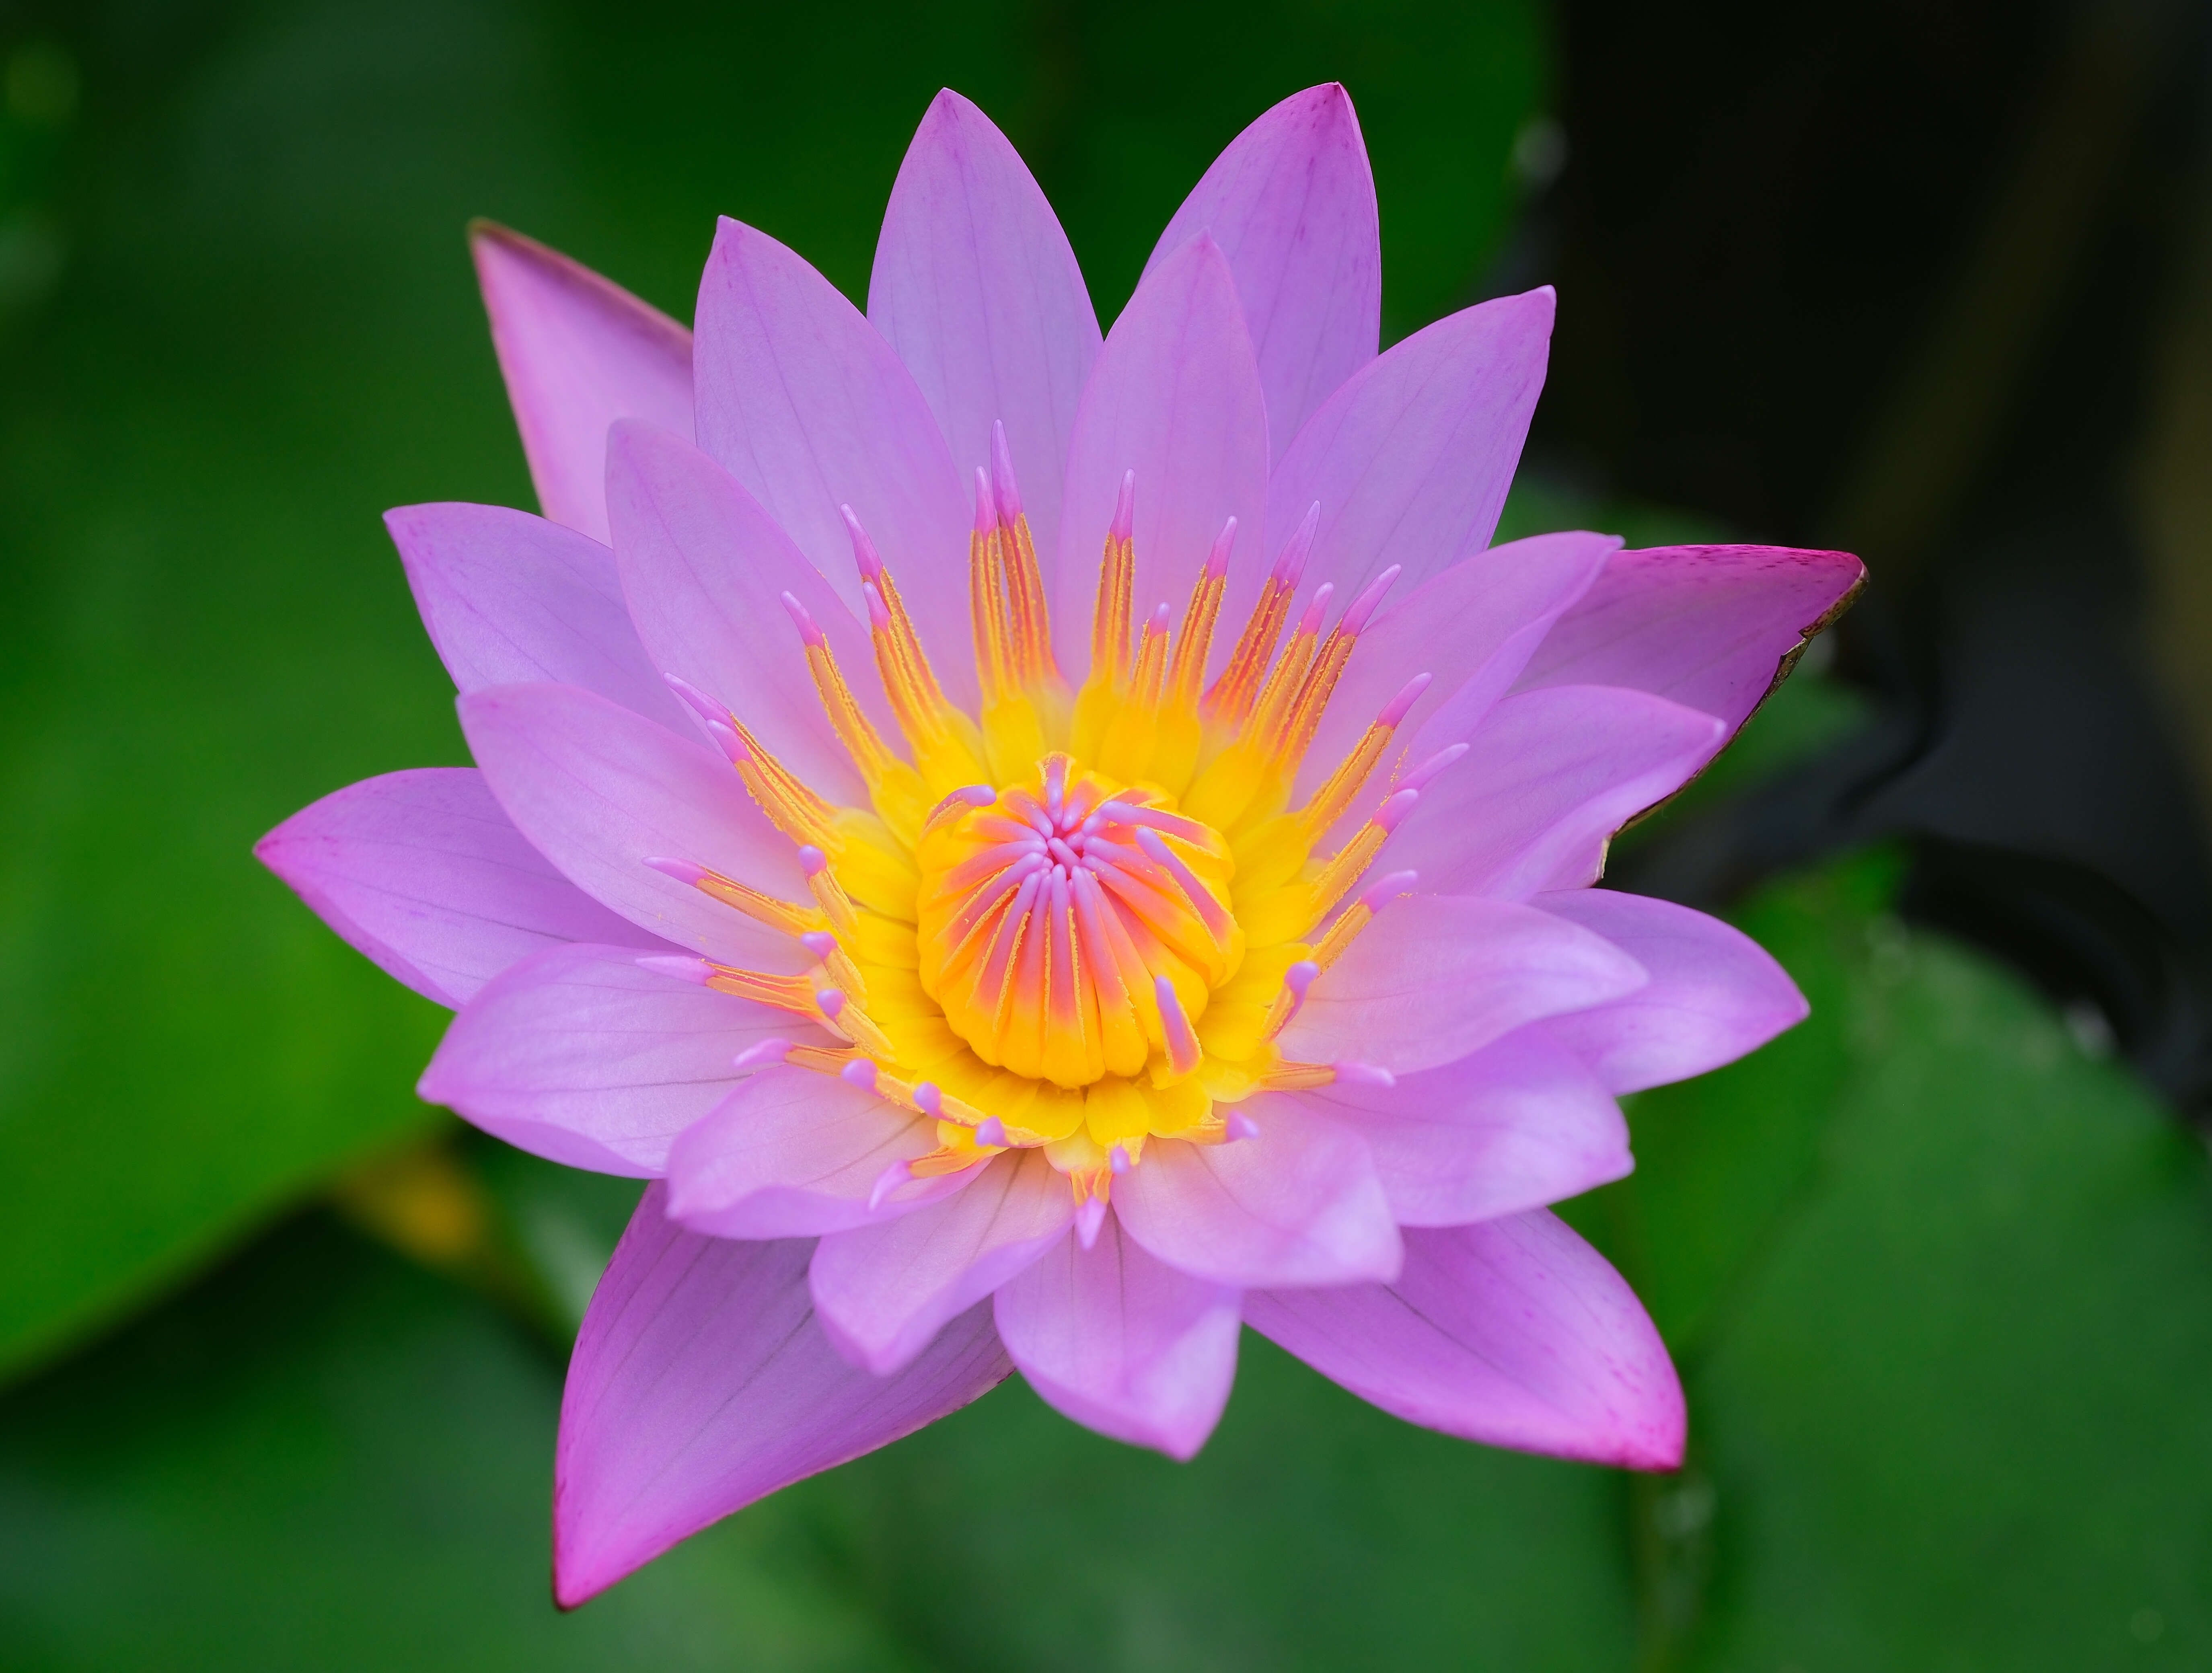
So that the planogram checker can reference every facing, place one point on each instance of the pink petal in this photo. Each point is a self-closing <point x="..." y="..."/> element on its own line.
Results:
<point x="1300" y="1204"/>
<point x="512" y="599"/>
<point x="1549" y="777"/>
<point x="1174" y="397"/>
<point x="1119" y="1341"/>
<point x="810" y="410"/>
<point x="1708" y="626"/>
<point x="600" y="791"/>
<point x="1411" y="459"/>
<point x="700" y="1383"/>
<point x="792" y="1154"/>
<point x="580" y="1055"/>
<point x="578" y="353"/>
<point x="1515" y="1332"/>
<point x="1516" y="1125"/>
<point x="705" y="570"/>
<point x="1437" y="977"/>
<point x="885" y="1291"/>
<point x="422" y="872"/>
<point x="1715" y="992"/>
<point x="1471" y="628"/>
<point x="1291" y="204"/>
<point x="975" y="286"/>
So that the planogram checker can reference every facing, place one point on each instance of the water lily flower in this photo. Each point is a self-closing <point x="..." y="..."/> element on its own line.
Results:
<point x="1046" y="851"/>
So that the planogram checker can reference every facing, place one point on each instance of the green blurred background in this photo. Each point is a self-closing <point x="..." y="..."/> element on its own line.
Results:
<point x="282" y="1347"/>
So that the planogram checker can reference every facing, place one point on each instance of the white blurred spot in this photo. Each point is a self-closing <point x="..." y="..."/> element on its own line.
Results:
<point x="1540" y="152"/>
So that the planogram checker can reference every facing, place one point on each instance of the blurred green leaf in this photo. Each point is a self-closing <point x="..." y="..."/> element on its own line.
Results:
<point x="266" y="333"/>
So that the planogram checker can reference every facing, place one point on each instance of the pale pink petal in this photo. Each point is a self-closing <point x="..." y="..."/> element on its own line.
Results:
<point x="883" y="1291"/>
<point x="701" y="1382"/>
<point x="1299" y="1204"/>
<point x="600" y="791"/>
<point x="1411" y="459"/>
<point x="1436" y="977"/>
<point x="975" y="286"/>
<point x="422" y="872"/>
<point x="1708" y="626"/>
<point x="1291" y="204"/>
<point x="1715" y="992"/>
<point x="1470" y="629"/>
<point x="705" y="571"/>
<point x="582" y="1055"/>
<point x="1516" y="1125"/>
<point x="1515" y="1332"/>
<point x="1549" y="778"/>
<point x="792" y="1154"/>
<point x="1175" y="398"/>
<point x="1122" y="1342"/>
<point x="578" y="352"/>
<point x="512" y="599"/>
<point x="810" y="410"/>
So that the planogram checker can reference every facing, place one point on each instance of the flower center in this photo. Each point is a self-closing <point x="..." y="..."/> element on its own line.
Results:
<point x="1075" y="928"/>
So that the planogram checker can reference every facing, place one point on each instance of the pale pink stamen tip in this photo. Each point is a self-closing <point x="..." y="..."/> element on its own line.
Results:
<point x="986" y="513"/>
<point x="1388" y="889"/>
<point x="771" y="1050"/>
<point x="1301" y="976"/>
<point x="683" y="969"/>
<point x="1161" y="618"/>
<point x="864" y="549"/>
<point x="897" y="1174"/>
<point x="879" y="615"/>
<point x="1182" y="1042"/>
<point x="708" y="709"/>
<point x="1118" y="1159"/>
<point x="830" y="1001"/>
<point x="682" y="870"/>
<point x="812" y="861"/>
<point x="1355" y="619"/>
<point x="809" y="629"/>
<point x="727" y="739"/>
<point x="991" y="1133"/>
<point x="1392" y="813"/>
<point x="1399" y="706"/>
<point x="1217" y="561"/>
<point x="927" y="1098"/>
<point x="1291" y="564"/>
<point x="1154" y="850"/>
<point x="860" y="1072"/>
<point x="1364" y="1075"/>
<point x="1002" y="474"/>
<point x="819" y="942"/>
<point x="1124" y="508"/>
<point x="1089" y="1218"/>
<point x="976" y="795"/>
<point x="1309" y="623"/>
<point x="1418" y="778"/>
<point x="1242" y="1126"/>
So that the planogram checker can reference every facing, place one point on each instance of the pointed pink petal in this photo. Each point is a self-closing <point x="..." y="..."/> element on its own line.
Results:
<point x="1412" y="458"/>
<point x="578" y="352"/>
<point x="1549" y="777"/>
<point x="600" y="791"/>
<point x="1300" y="1204"/>
<point x="792" y="1154"/>
<point x="1437" y="977"/>
<point x="810" y="410"/>
<point x="422" y="872"/>
<point x="580" y="1055"/>
<point x="883" y="1291"/>
<point x="512" y="599"/>
<point x="1515" y="1332"/>
<point x="1707" y="626"/>
<point x="1122" y="1343"/>
<point x="705" y="570"/>
<point x="1291" y="204"/>
<point x="975" y="286"/>
<point x="1472" y="629"/>
<point x="1715" y="992"/>
<point x="1520" y="1123"/>
<point x="1175" y="398"/>
<point x="701" y="1382"/>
